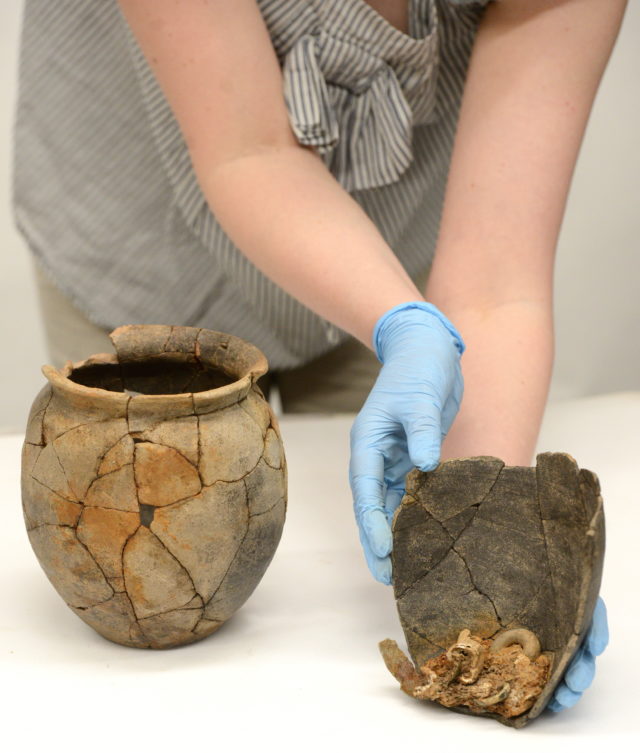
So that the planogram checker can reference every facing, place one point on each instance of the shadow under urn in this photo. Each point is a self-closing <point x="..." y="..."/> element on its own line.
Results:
<point x="496" y="574"/>
<point x="154" y="483"/>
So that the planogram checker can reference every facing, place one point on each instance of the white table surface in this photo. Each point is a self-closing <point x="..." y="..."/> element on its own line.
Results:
<point x="298" y="667"/>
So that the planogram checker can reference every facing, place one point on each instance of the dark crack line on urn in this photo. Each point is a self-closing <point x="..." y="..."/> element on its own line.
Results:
<point x="87" y="423"/>
<point x="475" y="585"/>
<point x="183" y="608"/>
<point x="97" y="564"/>
<point x="113" y="509"/>
<point x="133" y="612"/>
<point x="546" y="551"/>
<point x="135" y="478"/>
<point x="55" y="525"/>
<point x="104" y="475"/>
<point x="203" y="618"/>
<point x="175" y="449"/>
<point x="270" y="509"/>
<point x="233" y="480"/>
<point x="420" y="634"/>
<point x="543" y="580"/>
<point x="128" y="403"/>
<point x="431" y="567"/>
<point x="488" y="494"/>
<point x="66" y="499"/>
<point x="104" y="455"/>
<point x="124" y="579"/>
<point x="182" y="565"/>
<point x="264" y="450"/>
<point x="197" y="372"/>
<point x="197" y="349"/>
<point x="453" y="541"/>
<point x="455" y="515"/>
<point x="44" y="415"/>
<point x="197" y="417"/>
<point x="53" y="491"/>
<point x="249" y="412"/>
<point x="239" y="547"/>
<point x="586" y="578"/>
<point x="91" y="606"/>
<point x="64" y="473"/>
<point x="99" y="459"/>
<point x="169" y="336"/>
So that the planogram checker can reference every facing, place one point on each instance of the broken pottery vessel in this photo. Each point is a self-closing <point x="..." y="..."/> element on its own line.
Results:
<point x="154" y="483"/>
<point x="496" y="572"/>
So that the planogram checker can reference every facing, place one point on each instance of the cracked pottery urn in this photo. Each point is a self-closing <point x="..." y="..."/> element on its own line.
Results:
<point x="496" y="572"/>
<point x="154" y="483"/>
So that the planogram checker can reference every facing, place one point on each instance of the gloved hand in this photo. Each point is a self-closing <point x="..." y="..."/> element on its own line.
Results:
<point x="403" y="420"/>
<point x="582" y="667"/>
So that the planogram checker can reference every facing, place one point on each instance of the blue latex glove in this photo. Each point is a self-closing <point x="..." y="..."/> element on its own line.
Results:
<point x="404" y="419"/>
<point x="582" y="667"/>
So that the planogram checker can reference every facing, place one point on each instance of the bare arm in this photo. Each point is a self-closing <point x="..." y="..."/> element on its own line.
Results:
<point x="533" y="75"/>
<point x="274" y="198"/>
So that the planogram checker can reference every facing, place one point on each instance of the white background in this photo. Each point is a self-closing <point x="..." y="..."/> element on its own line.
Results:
<point x="597" y="272"/>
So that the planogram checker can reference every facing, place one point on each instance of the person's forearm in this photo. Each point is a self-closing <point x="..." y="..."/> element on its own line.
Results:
<point x="276" y="199"/>
<point x="507" y="369"/>
<point x="290" y="216"/>
<point x="532" y="79"/>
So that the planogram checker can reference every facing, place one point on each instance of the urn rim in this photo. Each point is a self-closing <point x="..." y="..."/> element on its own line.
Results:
<point x="212" y="352"/>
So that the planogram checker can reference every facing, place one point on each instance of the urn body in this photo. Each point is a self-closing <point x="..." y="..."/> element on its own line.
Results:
<point x="154" y="483"/>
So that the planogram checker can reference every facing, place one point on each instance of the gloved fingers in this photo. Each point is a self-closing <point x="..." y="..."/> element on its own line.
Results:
<point x="598" y="636"/>
<point x="375" y="527"/>
<point x="366" y="476"/>
<point x="581" y="670"/>
<point x="553" y="705"/>
<point x="423" y="430"/>
<point x="392" y="501"/>
<point x="379" y="567"/>
<point x="452" y="404"/>
<point x="565" y="696"/>
<point x="398" y="464"/>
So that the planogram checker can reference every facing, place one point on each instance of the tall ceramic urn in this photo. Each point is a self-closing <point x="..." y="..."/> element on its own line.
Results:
<point x="154" y="483"/>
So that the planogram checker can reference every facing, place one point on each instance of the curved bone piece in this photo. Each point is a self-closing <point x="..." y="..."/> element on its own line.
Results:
<point x="527" y="639"/>
<point x="496" y="697"/>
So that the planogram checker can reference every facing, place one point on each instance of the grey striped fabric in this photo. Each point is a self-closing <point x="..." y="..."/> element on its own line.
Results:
<point x="105" y="195"/>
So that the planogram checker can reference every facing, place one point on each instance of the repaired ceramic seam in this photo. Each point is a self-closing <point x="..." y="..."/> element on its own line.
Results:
<point x="124" y="578"/>
<point x="97" y="564"/>
<point x="415" y="582"/>
<point x="169" y="336"/>
<point x="44" y="413"/>
<point x="233" y="559"/>
<point x="199" y="441"/>
<point x="475" y="585"/>
<point x="53" y="491"/>
<point x="270" y="509"/>
<point x="182" y="565"/>
<point x="553" y="585"/>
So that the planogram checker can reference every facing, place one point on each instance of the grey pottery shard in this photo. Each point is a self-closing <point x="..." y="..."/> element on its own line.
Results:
<point x="496" y="573"/>
<point x="154" y="483"/>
